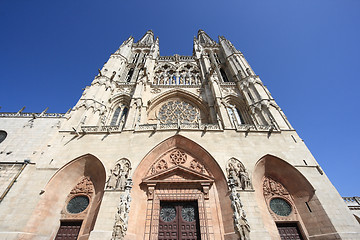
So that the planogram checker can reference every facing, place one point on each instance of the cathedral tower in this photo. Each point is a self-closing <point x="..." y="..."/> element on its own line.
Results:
<point x="173" y="147"/>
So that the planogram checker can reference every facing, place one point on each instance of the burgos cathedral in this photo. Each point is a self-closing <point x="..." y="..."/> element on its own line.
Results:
<point x="166" y="148"/>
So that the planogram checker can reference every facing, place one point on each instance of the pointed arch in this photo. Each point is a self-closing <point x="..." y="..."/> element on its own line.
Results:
<point x="142" y="196"/>
<point x="300" y="194"/>
<point x="51" y="207"/>
<point x="238" y="110"/>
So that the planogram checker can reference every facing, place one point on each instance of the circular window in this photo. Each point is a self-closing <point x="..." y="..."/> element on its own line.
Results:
<point x="167" y="213"/>
<point x="188" y="213"/>
<point x="3" y="135"/>
<point x="280" y="207"/>
<point x="78" y="204"/>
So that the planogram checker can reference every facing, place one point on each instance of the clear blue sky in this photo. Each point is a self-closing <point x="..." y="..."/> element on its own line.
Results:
<point x="306" y="52"/>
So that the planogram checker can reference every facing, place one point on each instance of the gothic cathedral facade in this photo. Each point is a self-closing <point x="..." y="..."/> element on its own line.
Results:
<point x="166" y="147"/>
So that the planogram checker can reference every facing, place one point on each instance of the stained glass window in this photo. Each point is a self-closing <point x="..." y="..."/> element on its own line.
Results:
<point x="78" y="204"/>
<point x="280" y="207"/>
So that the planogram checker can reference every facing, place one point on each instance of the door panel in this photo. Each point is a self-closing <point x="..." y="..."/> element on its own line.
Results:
<point x="289" y="231"/>
<point x="68" y="231"/>
<point x="179" y="221"/>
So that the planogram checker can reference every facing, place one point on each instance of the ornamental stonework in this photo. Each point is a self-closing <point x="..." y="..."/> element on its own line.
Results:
<point x="176" y="157"/>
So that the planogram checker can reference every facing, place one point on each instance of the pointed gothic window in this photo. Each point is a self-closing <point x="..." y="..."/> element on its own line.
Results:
<point x="235" y="115"/>
<point x="223" y="75"/>
<point x="129" y="75"/>
<point x="119" y="116"/>
<point x="115" y="116"/>
<point x="217" y="58"/>
<point x="136" y="57"/>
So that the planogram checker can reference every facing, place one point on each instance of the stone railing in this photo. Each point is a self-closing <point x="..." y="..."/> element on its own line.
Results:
<point x="177" y="126"/>
<point x="95" y="129"/>
<point x="225" y="84"/>
<point x="176" y="58"/>
<point x="31" y="115"/>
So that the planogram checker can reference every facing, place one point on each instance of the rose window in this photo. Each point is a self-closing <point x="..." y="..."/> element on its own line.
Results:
<point x="280" y="207"/>
<point x="174" y="111"/>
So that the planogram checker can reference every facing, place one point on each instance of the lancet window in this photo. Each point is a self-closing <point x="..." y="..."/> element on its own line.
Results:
<point x="119" y="116"/>
<point x="235" y="115"/>
<point x="129" y="75"/>
<point x="223" y="75"/>
<point x="186" y="75"/>
<point x="175" y="111"/>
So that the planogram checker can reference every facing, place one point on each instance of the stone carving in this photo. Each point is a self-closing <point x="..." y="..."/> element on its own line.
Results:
<point x="118" y="175"/>
<point x="241" y="224"/>
<point x="85" y="186"/>
<point x="272" y="187"/>
<point x="160" y="166"/>
<point x="236" y="171"/>
<point x="178" y="157"/>
<point x="195" y="165"/>
<point x="122" y="214"/>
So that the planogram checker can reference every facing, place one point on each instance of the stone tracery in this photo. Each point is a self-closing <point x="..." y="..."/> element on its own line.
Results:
<point x="177" y="157"/>
<point x="188" y="74"/>
<point x="178" y="111"/>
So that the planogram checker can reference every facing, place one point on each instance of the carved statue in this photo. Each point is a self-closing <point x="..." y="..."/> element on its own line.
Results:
<point x="241" y="224"/>
<point x="122" y="214"/>
<point x="119" y="175"/>
<point x="236" y="171"/>
<point x="115" y="173"/>
<point x="124" y="174"/>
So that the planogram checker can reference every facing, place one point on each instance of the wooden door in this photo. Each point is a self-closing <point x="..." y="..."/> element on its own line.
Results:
<point x="289" y="231"/>
<point x="68" y="231"/>
<point x="179" y="221"/>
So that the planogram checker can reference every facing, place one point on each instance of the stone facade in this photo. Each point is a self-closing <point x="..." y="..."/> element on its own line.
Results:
<point x="154" y="129"/>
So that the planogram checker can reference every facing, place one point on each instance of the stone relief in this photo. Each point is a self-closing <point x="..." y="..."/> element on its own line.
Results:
<point x="119" y="175"/>
<point x="272" y="187"/>
<point x="122" y="214"/>
<point x="85" y="186"/>
<point x="236" y="171"/>
<point x="177" y="157"/>
<point x="241" y="224"/>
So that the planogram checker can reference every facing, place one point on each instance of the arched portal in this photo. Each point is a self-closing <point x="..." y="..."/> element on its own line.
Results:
<point x="176" y="174"/>
<point x="288" y="202"/>
<point x="71" y="199"/>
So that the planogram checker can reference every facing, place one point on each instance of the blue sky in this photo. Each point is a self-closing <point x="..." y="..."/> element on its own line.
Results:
<point x="306" y="53"/>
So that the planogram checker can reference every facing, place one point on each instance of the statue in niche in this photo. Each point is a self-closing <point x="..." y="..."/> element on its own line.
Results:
<point x="237" y="172"/>
<point x="241" y="224"/>
<point x="119" y="175"/>
<point x="122" y="214"/>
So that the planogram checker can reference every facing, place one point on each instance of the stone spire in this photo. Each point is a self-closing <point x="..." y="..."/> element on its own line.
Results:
<point x="227" y="46"/>
<point x="125" y="46"/>
<point x="204" y="39"/>
<point x="147" y="39"/>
